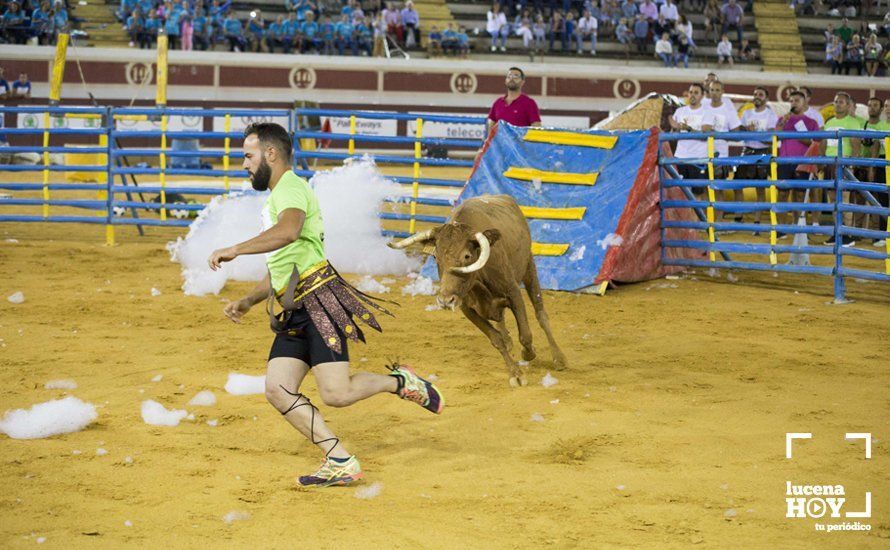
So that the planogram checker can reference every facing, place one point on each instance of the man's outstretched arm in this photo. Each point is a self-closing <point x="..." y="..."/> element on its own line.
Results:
<point x="286" y="231"/>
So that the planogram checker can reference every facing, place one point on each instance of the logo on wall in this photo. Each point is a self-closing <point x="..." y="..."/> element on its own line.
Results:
<point x="303" y="78"/>
<point x="626" y="89"/>
<point x="192" y="121"/>
<point x="138" y="73"/>
<point x="463" y="83"/>
<point x="784" y="92"/>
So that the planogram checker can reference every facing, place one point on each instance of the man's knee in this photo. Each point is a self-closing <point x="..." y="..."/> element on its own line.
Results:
<point x="335" y="397"/>
<point x="277" y="396"/>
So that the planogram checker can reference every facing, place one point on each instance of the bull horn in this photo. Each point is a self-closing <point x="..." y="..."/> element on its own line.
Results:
<point x="417" y="237"/>
<point x="484" y="253"/>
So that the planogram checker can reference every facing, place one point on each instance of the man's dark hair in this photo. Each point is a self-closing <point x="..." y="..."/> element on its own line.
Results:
<point x="698" y="85"/>
<point x="797" y="92"/>
<point x="762" y="89"/>
<point x="845" y="95"/>
<point x="518" y="70"/>
<point x="879" y="100"/>
<point x="269" y="133"/>
<point x="808" y="92"/>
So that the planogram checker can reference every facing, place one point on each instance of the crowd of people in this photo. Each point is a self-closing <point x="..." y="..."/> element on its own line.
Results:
<point x="865" y="49"/>
<point x="707" y="110"/>
<point x="39" y="21"/>
<point x="324" y="26"/>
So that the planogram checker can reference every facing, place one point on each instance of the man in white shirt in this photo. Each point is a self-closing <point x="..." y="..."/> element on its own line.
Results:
<point x="669" y="11"/>
<point x="811" y="112"/>
<point x="691" y="118"/>
<point x="723" y="118"/>
<point x="724" y="51"/>
<point x="759" y="119"/>
<point x="586" y="29"/>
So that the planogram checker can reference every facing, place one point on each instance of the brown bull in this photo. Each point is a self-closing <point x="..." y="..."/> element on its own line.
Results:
<point x="483" y="253"/>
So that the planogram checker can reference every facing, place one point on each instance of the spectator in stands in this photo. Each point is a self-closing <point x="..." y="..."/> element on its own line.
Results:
<point x="641" y="33"/>
<point x="834" y="54"/>
<point x="539" y="30"/>
<point x="171" y="25"/>
<point x="186" y="30"/>
<point x="853" y="56"/>
<point x="571" y="26"/>
<point x="524" y="31"/>
<point x="40" y="23"/>
<point x="434" y="42"/>
<point x="629" y="10"/>
<point x="732" y="15"/>
<point x="60" y="19"/>
<point x="275" y="35"/>
<point x="150" y="31"/>
<point x="872" y="55"/>
<point x="558" y="29"/>
<point x="724" y="51"/>
<point x="828" y="33"/>
<point x="134" y="25"/>
<point x="497" y="27"/>
<point x="692" y="117"/>
<point x="712" y="19"/>
<point x="393" y="22"/>
<point x="761" y="118"/>
<point x="649" y="10"/>
<point x="746" y="52"/>
<point x="364" y="36"/>
<point x="586" y="29"/>
<point x="4" y="91"/>
<point x="684" y="50"/>
<point x="200" y="29"/>
<point x="845" y="32"/>
<point x="665" y="50"/>
<point x="660" y="27"/>
<point x="344" y="35"/>
<point x="234" y="33"/>
<point x="326" y="31"/>
<point x="14" y="30"/>
<point x="844" y="119"/>
<point x="669" y="11"/>
<point x="684" y="27"/>
<point x="624" y="35"/>
<point x="411" y="22"/>
<point x="21" y="88"/>
<point x="463" y="42"/>
<point x="380" y="27"/>
<point x="609" y="17"/>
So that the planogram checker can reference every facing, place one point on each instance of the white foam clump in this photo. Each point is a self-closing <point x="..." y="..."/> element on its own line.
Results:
<point x="537" y="417"/>
<point x="60" y="416"/>
<point x="155" y="292"/>
<point x="612" y="239"/>
<point x="235" y="515"/>
<point x="420" y="286"/>
<point x="203" y="399"/>
<point x="578" y="254"/>
<point x="61" y="385"/>
<point x="350" y="197"/>
<point x="369" y="492"/>
<point x="157" y="415"/>
<point x="16" y="298"/>
<point x="548" y="380"/>
<point x="370" y="285"/>
<point x="224" y="222"/>
<point x="244" y="384"/>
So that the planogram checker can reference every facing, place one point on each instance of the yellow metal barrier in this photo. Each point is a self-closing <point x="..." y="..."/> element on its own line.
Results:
<point x="415" y="187"/>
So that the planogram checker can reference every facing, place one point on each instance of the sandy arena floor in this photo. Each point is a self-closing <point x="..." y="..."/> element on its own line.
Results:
<point x="667" y="430"/>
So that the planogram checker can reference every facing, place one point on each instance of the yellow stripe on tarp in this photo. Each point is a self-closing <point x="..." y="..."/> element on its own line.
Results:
<point x="571" y="138"/>
<point x="549" y="249"/>
<point x="553" y="213"/>
<point x="569" y="178"/>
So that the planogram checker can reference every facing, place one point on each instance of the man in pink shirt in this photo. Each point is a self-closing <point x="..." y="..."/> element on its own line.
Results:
<point x="515" y="107"/>
<point x="795" y="121"/>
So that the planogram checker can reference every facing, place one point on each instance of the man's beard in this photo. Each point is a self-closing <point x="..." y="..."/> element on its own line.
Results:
<point x="260" y="179"/>
<point x="513" y="87"/>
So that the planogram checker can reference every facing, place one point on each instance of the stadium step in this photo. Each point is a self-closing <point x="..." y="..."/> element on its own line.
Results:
<point x="432" y="13"/>
<point x="101" y="25"/>
<point x="781" y="47"/>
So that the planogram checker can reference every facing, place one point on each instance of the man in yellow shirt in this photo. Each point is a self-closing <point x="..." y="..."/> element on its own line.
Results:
<point x="844" y="119"/>
<point x="320" y="309"/>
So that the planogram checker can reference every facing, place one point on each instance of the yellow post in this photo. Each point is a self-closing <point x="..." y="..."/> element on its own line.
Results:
<point x="351" y="149"/>
<point x="711" y="198"/>
<point x="773" y="197"/>
<point x="227" y="145"/>
<point x="161" y="93"/>
<point x="55" y="89"/>
<point x="163" y="175"/>
<point x="415" y="187"/>
<point x="109" y="235"/>
<point x="46" y="123"/>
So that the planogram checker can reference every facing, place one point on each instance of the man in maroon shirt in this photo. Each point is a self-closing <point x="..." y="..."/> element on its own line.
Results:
<point x="515" y="107"/>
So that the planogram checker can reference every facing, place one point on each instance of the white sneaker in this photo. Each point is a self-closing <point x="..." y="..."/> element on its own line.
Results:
<point x="132" y="44"/>
<point x="879" y="244"/>
<point x="578" y="52"/>
<point x="592" y="52"/>
<point x="503" y="48"/>
<point x="494" y="48"/>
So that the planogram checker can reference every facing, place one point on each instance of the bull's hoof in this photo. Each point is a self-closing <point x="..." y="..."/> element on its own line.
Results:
<point x="559" y="361"/>
<point x="518" y="381"/>
<point x="528" y="354"/>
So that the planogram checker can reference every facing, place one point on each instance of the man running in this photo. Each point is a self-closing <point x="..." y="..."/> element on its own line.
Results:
<point x="319" y="309"/>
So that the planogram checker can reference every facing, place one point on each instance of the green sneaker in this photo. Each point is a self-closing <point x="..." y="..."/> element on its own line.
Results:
<point x="333" y="472"/>
<point x="415" y="388"/>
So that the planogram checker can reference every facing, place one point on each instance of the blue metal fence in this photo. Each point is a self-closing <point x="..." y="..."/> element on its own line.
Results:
<point x="840" y="181"/>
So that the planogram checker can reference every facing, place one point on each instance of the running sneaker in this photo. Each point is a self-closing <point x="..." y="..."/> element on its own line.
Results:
<point x="415" y="388"/>
<point x="333" y="472"/>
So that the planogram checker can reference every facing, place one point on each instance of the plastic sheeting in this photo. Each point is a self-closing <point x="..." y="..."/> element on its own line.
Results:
<point x="618" y="237"/>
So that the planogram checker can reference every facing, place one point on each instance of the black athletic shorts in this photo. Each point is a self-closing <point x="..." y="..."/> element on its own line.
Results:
<point x="303" y="341"/>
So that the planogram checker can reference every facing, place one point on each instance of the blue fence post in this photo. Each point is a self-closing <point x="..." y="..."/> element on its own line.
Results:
<point x="840" y="289"/>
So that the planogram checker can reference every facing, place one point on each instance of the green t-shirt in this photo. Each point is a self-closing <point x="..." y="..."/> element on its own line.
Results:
<point x="292" y="191"/>
<point x="882" y="126"/>
<point x="846" y="123"/>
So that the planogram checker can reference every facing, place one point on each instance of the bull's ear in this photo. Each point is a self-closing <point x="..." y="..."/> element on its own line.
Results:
<point x="492" y="235"/>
